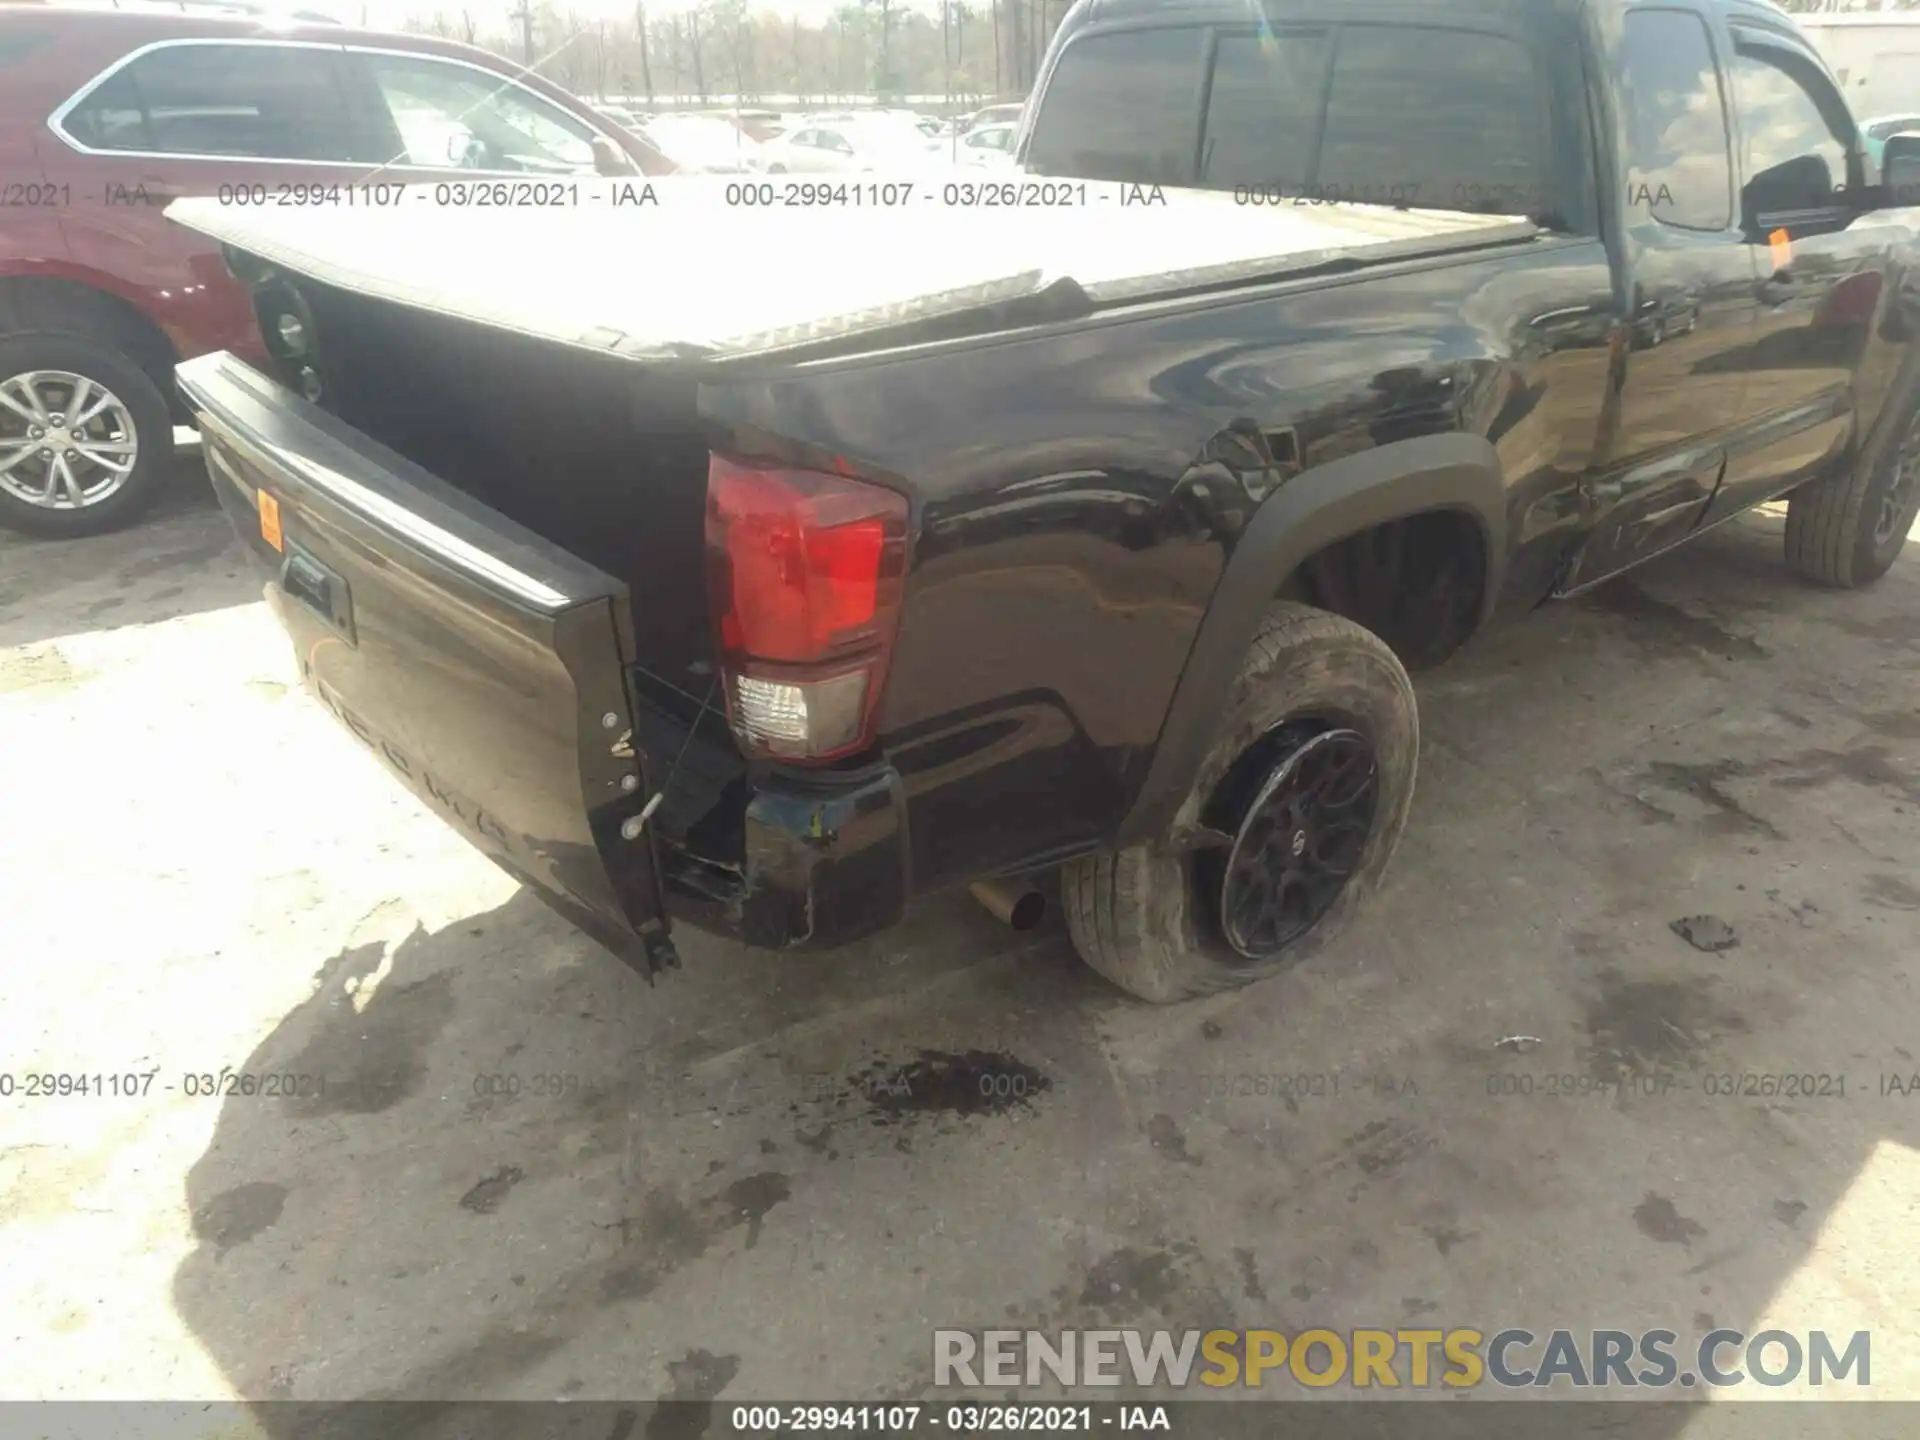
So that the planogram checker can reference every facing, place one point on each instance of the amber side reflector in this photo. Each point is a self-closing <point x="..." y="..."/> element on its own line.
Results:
<point x="270" y="521"/>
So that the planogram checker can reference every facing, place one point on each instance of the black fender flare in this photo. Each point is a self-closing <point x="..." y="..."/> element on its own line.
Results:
<point x="1459" y="472"/>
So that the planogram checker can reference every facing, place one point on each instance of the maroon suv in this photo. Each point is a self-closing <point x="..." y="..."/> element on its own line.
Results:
<point x="108" y="114"/>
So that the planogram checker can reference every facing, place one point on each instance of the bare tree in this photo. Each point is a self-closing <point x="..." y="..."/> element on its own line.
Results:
<point x="996" y="48"/>
<point x="693" y="48"/>
<point x="885" y="81"/>
<point x="646" y="60"/>
<point x="732" y="26"/>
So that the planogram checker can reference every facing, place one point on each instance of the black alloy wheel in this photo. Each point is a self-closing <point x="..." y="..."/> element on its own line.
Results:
<point x="1300" y="808"/>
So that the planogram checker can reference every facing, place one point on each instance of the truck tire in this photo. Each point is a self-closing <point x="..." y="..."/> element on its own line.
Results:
<point x="128" y="425"/>
<point x="1297" y="808"/>
<point x="1847" y="531"/>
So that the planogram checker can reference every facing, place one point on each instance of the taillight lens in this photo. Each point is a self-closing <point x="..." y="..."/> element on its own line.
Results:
<point x="803" y="570"/>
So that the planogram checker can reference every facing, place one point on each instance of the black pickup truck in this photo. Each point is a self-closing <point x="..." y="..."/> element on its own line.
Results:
<point x="760" y="573"/>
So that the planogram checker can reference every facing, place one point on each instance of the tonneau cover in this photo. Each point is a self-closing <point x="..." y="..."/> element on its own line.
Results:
<point x="691" y="277"/>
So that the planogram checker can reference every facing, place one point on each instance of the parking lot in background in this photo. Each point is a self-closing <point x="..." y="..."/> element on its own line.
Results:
<point x="512" y="1168"/>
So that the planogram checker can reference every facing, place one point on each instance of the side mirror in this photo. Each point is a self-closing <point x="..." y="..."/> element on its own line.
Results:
<point x="1900" y="170"/>
<point x="465" y="149"/>
<point x="609" y="159"/>
<point x="1793" y="187"/>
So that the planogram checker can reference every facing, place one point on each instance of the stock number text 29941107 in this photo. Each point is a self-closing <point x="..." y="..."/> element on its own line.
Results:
<point x="370" y="195"/>
<point x="816" y="194"/>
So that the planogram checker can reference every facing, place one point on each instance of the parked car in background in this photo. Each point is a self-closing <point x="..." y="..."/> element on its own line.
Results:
<point x="760" y="125"/>
<point x="706" y="144"/>
<point x="1875" y="133"/>
<point x="860" y="145"/>
<point x="992" y="115"/>
<point x="987" y="144"/>
<point x="106" y="115"/>
<point x="620" y="115"/>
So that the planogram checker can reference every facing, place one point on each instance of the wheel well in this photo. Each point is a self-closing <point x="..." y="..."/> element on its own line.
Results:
<point x="33" y="302"/>
<point x="1418" y="582"/>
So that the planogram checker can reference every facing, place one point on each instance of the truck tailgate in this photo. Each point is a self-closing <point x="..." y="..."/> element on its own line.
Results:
<point x="483" y="665"/>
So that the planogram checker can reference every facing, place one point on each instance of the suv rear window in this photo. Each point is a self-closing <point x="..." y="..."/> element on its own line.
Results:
<point x="1447" y="119"/>
<point x="263" y="102"/>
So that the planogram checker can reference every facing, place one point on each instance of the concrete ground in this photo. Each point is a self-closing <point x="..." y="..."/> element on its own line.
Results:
<point x="698" y="1189"/>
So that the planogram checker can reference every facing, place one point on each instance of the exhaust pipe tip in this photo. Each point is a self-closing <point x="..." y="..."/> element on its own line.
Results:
<point x="1015" y="903"/>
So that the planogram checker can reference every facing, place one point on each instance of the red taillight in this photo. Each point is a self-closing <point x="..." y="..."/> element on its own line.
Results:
<point x="803" y="570"/>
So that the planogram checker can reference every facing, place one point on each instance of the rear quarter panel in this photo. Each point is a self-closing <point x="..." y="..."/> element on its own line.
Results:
<point x="1076" y="503"/>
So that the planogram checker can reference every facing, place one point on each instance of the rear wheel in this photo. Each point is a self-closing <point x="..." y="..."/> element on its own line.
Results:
<point x="1847" y="531"/>
<point x="85" y="435"/>
<point x="1298" y="806"/>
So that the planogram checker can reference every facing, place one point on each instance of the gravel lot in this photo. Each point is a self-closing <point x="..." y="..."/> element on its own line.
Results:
<point x="199" y="870"/>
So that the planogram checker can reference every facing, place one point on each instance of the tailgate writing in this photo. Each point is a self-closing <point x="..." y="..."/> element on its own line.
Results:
<point x="466" y="811"/>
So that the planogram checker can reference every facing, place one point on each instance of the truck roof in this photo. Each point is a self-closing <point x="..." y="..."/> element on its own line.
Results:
<point x="690" y="281"/>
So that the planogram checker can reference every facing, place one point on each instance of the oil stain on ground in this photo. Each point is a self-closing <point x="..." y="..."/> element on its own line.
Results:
<point x="669" y="1233"/>
<point x="685" y="1412"/>
<point x="1870" y="766"/>
<point x="236" y="1215"/>
<point x="1706" y="783"/>
<point x="943" y="1082"/>
<point x="1664" y="627"/>
<point x="1128" y="1279"/>
<point x="485" y="1196"/>
<point x="368" y="1061"/>
<point x="1641" y="1027"/>
<point x="1163" y="1133"/>
<point x="1658" y="1219"/>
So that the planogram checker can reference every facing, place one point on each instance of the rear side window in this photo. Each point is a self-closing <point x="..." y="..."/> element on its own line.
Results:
<point x="1263" y="109"/>
<point x="1444" y="119"/>
<point x="1123" y="106"/>
<point x="1677" y="164"/>
<point x="265" y="102"/>
<point x="1409" y="114"/>
<point x="451" y="116"/>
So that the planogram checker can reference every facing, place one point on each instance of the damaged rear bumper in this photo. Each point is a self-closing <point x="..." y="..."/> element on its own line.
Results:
<point x="825" y="861"/>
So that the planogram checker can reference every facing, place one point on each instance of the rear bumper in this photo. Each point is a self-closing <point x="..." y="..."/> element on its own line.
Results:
<point x="825" y="863"/>
<point x="494" y="675"/>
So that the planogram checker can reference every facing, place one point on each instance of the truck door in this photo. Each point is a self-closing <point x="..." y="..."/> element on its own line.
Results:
<point x="1822" y="265"/>
<point x="1688" y="294"/>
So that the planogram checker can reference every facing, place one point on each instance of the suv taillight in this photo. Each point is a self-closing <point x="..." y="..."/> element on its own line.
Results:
<point x="803" y="577"/>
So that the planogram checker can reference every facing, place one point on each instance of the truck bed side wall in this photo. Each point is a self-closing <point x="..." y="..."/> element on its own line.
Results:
<point x="1082" y="490"/>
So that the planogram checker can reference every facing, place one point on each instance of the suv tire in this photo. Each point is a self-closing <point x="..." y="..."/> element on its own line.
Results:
<point x="127" y="388"/>
<point x="1151" y="917"/>
<point x="1847" y="531"/>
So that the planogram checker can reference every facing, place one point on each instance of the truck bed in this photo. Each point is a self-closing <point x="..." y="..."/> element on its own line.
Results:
<point x="694" y="279"/>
